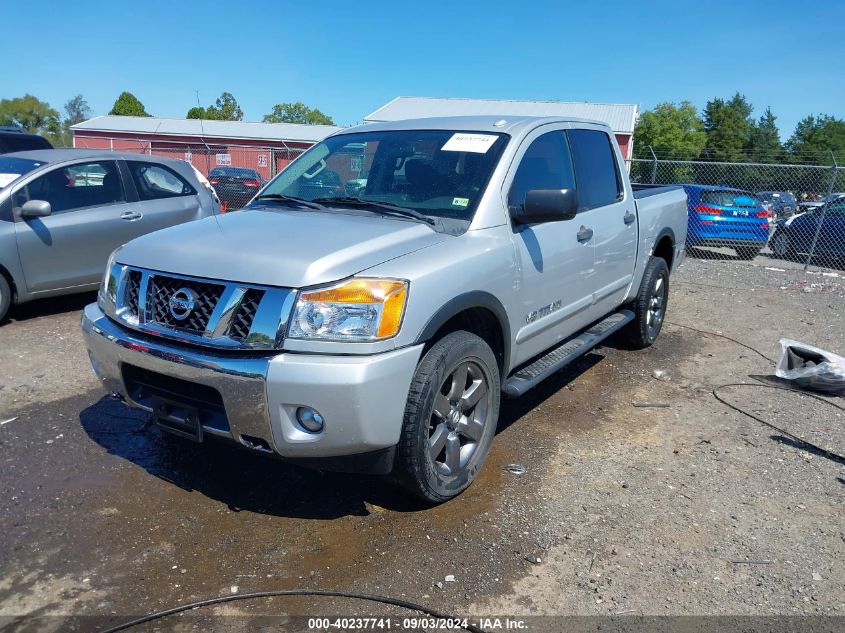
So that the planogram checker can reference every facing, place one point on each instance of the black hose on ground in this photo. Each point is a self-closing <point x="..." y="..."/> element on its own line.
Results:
<point x="404" y="604"/>
<point x="830" y="454"/>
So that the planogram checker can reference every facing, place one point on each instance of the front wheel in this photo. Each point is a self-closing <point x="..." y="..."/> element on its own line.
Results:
<point x="450" y="417"/>
<point x="650" y="305"/>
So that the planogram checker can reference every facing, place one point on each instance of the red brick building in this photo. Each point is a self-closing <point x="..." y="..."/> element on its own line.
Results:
<point x="265" y="147"/>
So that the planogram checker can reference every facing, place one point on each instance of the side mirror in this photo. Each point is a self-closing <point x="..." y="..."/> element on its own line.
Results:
<point x="36" y="209"/>
<point x="546" y="205"/>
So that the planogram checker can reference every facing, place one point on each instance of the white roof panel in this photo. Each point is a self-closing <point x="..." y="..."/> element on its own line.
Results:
<point x="621" y="117"/>
<point x="212" y="129"/>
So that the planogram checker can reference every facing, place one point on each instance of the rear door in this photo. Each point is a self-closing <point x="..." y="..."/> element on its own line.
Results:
<point x="555" y="258"/>
<point x="609" y="211"/>
<point x="165" y="198"/>
<point x="70" y="247"/>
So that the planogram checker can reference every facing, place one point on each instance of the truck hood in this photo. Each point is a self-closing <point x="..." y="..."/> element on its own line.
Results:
<point x="279" y="247"/>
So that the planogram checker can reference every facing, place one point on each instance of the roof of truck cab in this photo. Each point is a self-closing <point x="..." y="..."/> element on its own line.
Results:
<point x="508" y="124"/>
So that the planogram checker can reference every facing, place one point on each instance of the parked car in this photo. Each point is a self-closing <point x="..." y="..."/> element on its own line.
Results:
<point x="781" y="204"/>
<point x="727" y="217"/>
<point x="806" y="205"/>
<point x="235" y="186"/>
<point x="795" y="235"/>
<point x="14" y="139"/>
<point x="63" y="211"/>
<point x="378" y="333"/>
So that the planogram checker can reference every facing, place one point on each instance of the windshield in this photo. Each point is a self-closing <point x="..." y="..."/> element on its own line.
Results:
<point x="434" y="172"/>
<point x="11" y="168"/>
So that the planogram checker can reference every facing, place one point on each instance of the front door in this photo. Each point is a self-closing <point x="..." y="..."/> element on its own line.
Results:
<point x="556" y="258"/>
<point x="70" y="247"/>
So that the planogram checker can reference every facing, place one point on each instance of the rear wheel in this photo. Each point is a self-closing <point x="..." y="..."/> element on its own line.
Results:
<point x="650" y="305"/>
<point x="450" y="417"/>
<point x="782" y="246"/>
<point x="5" y="297"/>
<point x="747" y="253"/>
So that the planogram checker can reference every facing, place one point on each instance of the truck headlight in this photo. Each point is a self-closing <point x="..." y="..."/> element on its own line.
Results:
<point x="107" y="295"/>
<point x="355" y="310"/>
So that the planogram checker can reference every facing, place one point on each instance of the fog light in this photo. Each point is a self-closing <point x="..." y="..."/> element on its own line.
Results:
<point x="310" y="419"/>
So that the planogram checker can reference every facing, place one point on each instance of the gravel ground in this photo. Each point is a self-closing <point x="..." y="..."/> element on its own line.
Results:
<point x="688" y="509"/>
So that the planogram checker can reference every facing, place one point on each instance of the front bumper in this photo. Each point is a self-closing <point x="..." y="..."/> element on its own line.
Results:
<point x="362" y="398"/>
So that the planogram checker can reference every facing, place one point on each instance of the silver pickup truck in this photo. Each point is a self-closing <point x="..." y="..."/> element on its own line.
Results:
<point x="374" y="301"/>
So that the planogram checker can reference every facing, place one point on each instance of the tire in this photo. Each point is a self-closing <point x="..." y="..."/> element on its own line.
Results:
<point x="650" y="305"/>
<point x="5" y="297"/>
<point x="747" y="253"/>
<point x="448" y="427"/>
<point x="782" y="246"/>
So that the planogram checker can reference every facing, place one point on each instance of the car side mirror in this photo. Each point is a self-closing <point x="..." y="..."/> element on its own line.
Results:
<point x="546" y="205"/>
<point x="36" y="209"/>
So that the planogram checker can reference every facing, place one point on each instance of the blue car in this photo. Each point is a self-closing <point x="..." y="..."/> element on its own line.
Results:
<point x="795" y="235"/>
<point x="727" y="217"/>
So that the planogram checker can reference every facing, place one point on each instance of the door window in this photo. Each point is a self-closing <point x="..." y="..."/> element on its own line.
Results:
<point x="75" y="187"/>
<point x="837" y="209"/>
<point x="546" y="164"/>
<point x="598" y="178"/>
<point x="157" y="181"/>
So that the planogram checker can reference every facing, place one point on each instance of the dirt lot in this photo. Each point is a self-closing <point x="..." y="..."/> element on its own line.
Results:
<point x="687" y="509"/>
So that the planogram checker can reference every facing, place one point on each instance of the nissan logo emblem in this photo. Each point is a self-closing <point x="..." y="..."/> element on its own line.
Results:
<point x="182" y="303"/>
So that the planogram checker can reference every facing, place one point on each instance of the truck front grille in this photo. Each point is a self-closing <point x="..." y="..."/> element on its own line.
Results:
<point x="245" y="314"/>
<point x="160" y="291"/>
<point x="133" y="291"/>
<point x="222" y="314"/>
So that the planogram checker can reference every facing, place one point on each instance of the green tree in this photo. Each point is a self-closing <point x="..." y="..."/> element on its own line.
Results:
<point x="128" y="104"/>
<point x="728" y="126"/>
<point x="815" y="138"/>
<point x="196" y="112"/>
<point x="297" y="113"/>
<point x="764" y="144"/>
<point x="226" y="108"/>
<point x="77" y="110"/>
<point x="32" y="115"/>
<point x="673" y="131"/>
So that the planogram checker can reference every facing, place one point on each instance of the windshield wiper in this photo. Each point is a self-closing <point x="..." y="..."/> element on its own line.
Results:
<point x="386" y="207"/>
<point x="292" y="199"/>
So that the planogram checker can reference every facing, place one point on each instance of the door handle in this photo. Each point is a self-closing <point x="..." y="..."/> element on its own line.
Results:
<point x="629" y="217"/>
<point x="584" y="234"/>
<point x="131" y="216"/>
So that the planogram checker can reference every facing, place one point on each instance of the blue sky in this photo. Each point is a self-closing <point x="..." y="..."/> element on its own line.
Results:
<point x="349" y="58"/>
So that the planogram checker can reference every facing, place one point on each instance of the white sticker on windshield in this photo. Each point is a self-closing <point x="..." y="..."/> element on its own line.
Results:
<point x="463" y="142"/>
<point x="5" y="179"/>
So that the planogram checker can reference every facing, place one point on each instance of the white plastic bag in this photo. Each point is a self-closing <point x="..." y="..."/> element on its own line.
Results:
<point x="811" y="367"/>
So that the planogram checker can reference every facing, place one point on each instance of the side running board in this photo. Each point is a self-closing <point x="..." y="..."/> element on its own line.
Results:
<point x="559" y="357"/>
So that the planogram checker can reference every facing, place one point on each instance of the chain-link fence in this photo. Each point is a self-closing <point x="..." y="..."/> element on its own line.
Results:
<point x="747" y="210"/>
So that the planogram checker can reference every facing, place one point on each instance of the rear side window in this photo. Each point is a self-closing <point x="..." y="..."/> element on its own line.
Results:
<point x="729" y="199"/>
<point x="595" y="168"/>
<point x="154" y="182"/>
<point x="545" y="165"/>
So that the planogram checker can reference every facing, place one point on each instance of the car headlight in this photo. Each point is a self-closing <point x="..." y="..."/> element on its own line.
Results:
<point x="355" y="310"/>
